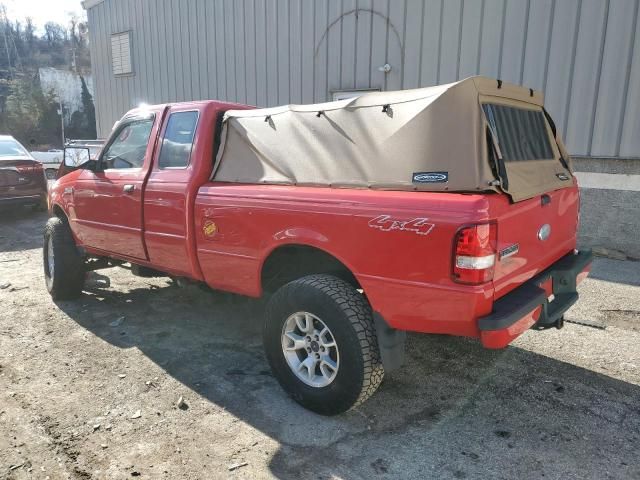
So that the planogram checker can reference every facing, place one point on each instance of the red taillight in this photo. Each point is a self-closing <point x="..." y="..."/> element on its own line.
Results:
<point x="475" y="249"/>
<point x="29" y="169"/>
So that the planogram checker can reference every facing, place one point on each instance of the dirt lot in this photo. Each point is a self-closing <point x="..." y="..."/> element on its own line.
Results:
<point x="74" y="375"/>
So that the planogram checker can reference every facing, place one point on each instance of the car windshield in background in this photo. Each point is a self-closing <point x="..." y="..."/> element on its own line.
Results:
<point x="11" y="148"/>
<point x="521" y="133"/>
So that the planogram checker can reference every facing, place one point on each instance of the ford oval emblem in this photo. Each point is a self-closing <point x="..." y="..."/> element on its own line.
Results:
<point x="544" y="232"/>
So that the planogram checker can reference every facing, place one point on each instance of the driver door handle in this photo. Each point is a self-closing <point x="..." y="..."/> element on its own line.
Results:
<point x="129" y="188"/>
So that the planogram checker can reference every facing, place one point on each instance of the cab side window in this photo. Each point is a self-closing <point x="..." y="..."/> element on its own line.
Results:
<point x="129" y="146"/>
<point x="178" y="140"/>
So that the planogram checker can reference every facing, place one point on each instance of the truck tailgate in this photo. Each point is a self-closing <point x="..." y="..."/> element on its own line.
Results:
<point x="533" y="234"/>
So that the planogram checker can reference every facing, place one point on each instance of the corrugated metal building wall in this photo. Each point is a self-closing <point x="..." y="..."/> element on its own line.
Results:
<point x="585" y="54"/>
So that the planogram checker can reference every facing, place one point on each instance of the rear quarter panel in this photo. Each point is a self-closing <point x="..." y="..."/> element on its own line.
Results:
<point x="397" y="244"/>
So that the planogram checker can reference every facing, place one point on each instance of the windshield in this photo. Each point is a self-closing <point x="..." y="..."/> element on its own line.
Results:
<point x="11" y="148"/>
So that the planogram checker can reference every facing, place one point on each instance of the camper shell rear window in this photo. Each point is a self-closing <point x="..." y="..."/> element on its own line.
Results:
<point x="520" y="133"/>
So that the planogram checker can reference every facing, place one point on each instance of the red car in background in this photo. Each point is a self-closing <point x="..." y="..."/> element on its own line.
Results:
<point x="22" y="179"/>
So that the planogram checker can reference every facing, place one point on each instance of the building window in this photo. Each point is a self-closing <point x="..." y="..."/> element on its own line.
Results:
<point x="121" y="53"/>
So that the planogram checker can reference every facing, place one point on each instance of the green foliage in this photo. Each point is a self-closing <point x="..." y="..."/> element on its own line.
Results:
<point x="31" y="114"/>
<point x="59" y="46"/>
<point x="27" y="112"/>
<point x="83" y="122"/>
<point x="89" y="110"/>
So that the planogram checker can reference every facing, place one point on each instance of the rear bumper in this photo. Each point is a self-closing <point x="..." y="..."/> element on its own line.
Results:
<point x="528" y="305"/>
<point x="9" y="202"/>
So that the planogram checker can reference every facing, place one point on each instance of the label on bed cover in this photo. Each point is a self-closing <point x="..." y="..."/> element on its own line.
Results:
<point x="430" y="177"/>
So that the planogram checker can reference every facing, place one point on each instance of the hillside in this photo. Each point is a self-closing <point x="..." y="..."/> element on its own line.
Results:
<point x="29" y="110"/>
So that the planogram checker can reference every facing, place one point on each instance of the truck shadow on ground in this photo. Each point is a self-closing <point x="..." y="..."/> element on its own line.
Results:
<point x="616" y="271"/>
<point x="454" y="410"/>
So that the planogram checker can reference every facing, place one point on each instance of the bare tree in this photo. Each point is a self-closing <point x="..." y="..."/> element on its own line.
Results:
<point x="54" y="34"/>
<point x="29" y="33"/>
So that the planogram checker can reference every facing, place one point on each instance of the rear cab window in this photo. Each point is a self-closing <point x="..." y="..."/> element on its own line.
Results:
<point x="521" y="133"/>
<point x="177" y="143"/>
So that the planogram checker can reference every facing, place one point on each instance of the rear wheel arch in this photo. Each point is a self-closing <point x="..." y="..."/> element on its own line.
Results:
<point x="292" y="261"/>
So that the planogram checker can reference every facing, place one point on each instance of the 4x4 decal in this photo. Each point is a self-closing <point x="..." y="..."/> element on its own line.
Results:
<point x="387" y="223"/>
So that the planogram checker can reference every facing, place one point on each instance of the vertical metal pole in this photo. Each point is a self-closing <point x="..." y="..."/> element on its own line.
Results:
<point x="61" y="120"/>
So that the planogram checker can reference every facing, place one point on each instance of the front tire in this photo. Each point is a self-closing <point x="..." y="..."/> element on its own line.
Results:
<point x="321" y="343"/>
<point x="64" y="270"/>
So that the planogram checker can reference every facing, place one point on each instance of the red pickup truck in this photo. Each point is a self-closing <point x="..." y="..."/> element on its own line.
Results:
<point x="446" y="210"/>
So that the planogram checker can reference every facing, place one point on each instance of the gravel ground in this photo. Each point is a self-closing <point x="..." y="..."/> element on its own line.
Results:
<point x="89" y="389"/>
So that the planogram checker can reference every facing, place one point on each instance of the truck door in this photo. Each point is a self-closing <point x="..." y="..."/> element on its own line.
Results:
<point x="108" y="201"/>
<point x="169" y="192"/>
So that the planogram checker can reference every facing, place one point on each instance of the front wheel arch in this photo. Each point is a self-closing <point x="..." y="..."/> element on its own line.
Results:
<point x="58" y="211"/>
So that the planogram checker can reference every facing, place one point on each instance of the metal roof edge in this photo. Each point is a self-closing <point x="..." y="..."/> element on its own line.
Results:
<point x="87" y="4"/>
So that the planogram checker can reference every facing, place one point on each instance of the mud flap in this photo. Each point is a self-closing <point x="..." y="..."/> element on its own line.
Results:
<point x="390" y="342"/>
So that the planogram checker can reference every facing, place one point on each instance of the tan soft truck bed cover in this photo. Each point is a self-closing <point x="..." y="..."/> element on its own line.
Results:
<point x="431" y="139"/>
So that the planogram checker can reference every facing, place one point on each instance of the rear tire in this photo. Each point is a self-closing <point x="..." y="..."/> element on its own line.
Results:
<point x="64" y="270"/>
<point x="323" y="303"/>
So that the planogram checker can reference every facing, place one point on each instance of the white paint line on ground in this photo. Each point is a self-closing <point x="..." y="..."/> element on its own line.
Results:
<point x="609" y="181"/>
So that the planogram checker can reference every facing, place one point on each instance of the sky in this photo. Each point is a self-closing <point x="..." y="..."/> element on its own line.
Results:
<point x="43" y="11"/>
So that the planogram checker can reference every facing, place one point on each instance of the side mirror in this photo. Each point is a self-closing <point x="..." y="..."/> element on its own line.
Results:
<point x="76" y="157"/>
